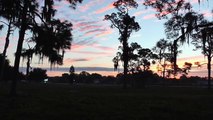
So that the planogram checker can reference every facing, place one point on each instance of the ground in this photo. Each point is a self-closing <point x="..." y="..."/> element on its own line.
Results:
<point x="66" y="102"/>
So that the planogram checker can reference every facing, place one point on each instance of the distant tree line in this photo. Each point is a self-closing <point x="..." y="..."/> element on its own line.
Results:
<point x="137" y="80"/>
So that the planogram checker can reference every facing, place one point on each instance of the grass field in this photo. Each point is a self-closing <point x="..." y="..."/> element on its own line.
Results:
<point x="65" y="102"/>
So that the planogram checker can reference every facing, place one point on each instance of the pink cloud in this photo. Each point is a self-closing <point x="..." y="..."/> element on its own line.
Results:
<point x="207" y="13"/>
<point x="107" y="8"/>
<point x="90" y="52"/>
<point x="192" y="58"/>
<point x="89" y="27"/>
<point x="76" y="47"/>
<point x="57" y="6"/>
<point x="2" y="42"/>
<point x="105" y="48"/>
<point x="89" y="5"/>
<point x="104" y="33"/>
<point x="151" y="16"/>
<point x="2" y="38"/>
<point x="83" y="24"/>
<point x="82" y="44"/>
<point x="65" y="2"/>
<point x="138" y="13"/>
<point x="91" y="32"/>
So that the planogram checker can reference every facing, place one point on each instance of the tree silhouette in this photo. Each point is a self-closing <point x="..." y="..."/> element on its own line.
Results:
<point x="132" y="55"/>
<point x="203" y="39"/>
<point x="161" y="48"/>
<point x="51" y="42"/>
<point x="186" y="68"/>
<point x="5" y="65"/>
<point x="9" y="13"/>
<point x="180" y="25"/>
<point x="126" y="25"/>
<point x="72" y="74"/>
<point x="28" y="12"/>
<point x="38" y="75"/>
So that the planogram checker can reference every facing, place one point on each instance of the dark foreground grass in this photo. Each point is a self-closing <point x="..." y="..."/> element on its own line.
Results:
<point x="65" y="102"/>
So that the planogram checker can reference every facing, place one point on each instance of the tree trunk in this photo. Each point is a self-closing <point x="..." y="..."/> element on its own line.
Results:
<point x="164" y="68"/>
<point x="209" y="72"/>
<point x="7" y="41"/>
<point x="175" y="57"/>
<point x="28" y="67"/>
<point x="19" y="49"/>
<point x="125" y="58"/>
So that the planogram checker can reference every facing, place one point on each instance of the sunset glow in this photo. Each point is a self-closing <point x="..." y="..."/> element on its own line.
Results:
<point x="95" y="43"/>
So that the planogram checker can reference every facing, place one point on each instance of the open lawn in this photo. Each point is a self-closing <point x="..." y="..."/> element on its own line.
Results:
<point x="66" y="102"/>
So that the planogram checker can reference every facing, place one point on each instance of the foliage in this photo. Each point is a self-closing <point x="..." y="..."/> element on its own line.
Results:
<point x="166" y="7"/>
<point x="7" y="63"/>
<point x="9" y="73"/>
<point x="140" y="59"/>
<point x="202" y="39"/>
<point x="180" y="25"/>
<point x="37" y="75"/>
<point x="28" y="15"/>
<point x="52" y="42"/>
<point x="162" y="48"/>
<point x="144" y="78"/>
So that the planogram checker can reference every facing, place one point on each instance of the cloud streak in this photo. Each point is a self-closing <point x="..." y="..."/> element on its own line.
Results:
<point x="87" y="28"/>
<point x="104" y="9"/>
<point x="69" y="60"/>
<point x="207" y="13"/>
<point x="94" y="31"/>
<point x="150" y="16"/>
<point x="89" y="5"/>
<point x="90" y="52"/>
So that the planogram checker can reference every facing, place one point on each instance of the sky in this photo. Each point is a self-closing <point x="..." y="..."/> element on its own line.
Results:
<point x="95" y="43"/>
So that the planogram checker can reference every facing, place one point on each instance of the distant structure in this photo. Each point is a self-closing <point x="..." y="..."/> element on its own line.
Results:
<point x="72" y="74"/>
